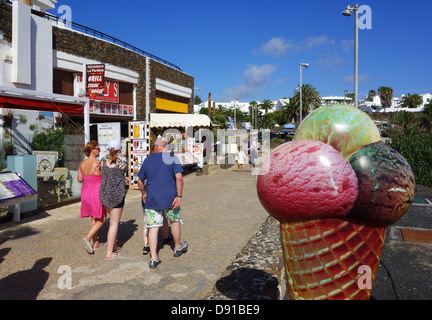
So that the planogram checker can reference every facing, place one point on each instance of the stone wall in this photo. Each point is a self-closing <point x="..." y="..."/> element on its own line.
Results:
<point x="161" y="71"/>
<point x="79" y="44"/>
<point x="6" y="21"/>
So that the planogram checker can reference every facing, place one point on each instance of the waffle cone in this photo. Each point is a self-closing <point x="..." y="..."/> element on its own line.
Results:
<point x="323" y="256"/>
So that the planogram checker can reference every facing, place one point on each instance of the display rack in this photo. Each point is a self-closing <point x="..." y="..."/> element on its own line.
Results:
<point x="14" y="190"/>
<point x="139" y="137"/>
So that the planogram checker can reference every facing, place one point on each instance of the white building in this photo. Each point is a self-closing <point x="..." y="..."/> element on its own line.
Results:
<point x="375" y="104"/>
<point x="335" y="100"/>
<point x="280" y="103"/>
<point x="241" y="106"/>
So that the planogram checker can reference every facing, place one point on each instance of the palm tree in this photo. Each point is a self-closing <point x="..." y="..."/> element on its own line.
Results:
<point x="411" y="101"/>
<point x="407" y="120"/>
<point x="426" y="118"/>
<point x="371" y="94"/>
<point x="270" y="120"/>
<point x="266" y="105"/>
<point x="386" y="96"/>
<point x="252" y="111"/>
<point x="291" y="109"/>
<point x="311" y="99"/>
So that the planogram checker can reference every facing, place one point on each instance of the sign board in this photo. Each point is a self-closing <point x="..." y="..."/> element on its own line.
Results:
<point x="111" y="92"/>
<point x="107" y="132"/>
<point x="13" y="186"/>
<point x="139" y="148"/>
<point x="97" y="107"/>
<point x="95" y="80"/>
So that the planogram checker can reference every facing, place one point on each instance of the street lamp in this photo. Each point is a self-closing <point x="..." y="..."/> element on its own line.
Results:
<point x="235" y="120"/>
<point x="301" y="65"/>
<point x="347" y="13"/>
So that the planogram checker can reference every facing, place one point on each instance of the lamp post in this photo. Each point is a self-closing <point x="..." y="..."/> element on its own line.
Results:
<point x="235" y="120"/>
<point x="347" y="13"/>
<point x="301" y="65"/>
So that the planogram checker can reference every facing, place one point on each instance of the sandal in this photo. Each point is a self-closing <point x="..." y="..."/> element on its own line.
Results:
<point x="100" y="245"/>
<point x="117" y="255"/>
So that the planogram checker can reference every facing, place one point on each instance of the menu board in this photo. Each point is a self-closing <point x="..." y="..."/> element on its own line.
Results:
<point x="139" y="148"/>
<point x="106" y="132"/>
<point x="13" y="186"/>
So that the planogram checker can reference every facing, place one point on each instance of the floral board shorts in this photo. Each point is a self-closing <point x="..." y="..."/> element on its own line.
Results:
<point x="154" y="217"/>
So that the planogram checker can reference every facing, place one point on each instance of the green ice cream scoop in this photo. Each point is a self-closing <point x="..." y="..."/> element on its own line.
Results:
<point x="345" y="128"/>
<point x="386" y="185"/>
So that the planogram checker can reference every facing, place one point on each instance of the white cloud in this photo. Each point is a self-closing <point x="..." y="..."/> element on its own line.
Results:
<point x="313" y="42"/>
<point x="255" y="78"/>
<point x="346" y="44"/>
<point x="275" y="47"/>
<point x="332" y="62"/>
<point x="278" y="46"/>
<point x="361" y="78"/>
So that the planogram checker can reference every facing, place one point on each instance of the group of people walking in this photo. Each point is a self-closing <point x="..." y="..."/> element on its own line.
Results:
<point x="103" y="192"/>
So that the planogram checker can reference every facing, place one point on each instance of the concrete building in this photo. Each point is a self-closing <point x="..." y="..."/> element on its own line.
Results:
<point x="375" y="104"/>
<point x="44" y="60"/>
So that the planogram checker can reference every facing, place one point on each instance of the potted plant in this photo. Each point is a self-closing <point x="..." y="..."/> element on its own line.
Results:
<point x="23" y="118"/>
<point x="8" y="148"/>
<point x="8" y="117"/>
<point x="58" y="118"/>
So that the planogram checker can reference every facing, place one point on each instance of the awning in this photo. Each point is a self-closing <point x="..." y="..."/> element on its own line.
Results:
<point x="24" y="99"/>
<point x="179" y="120"/>
<point x="16" y="98"/>
<point x="40" y="105"/>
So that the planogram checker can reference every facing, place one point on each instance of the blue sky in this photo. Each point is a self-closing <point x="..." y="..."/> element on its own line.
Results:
<point x="252" y="49"/>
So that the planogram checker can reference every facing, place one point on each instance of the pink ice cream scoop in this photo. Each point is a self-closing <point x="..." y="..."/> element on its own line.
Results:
<point x="305" y="180"/>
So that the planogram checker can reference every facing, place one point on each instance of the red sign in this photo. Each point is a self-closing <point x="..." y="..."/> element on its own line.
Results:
<point x="112" y="92"/>
<point x="95" y="80"/>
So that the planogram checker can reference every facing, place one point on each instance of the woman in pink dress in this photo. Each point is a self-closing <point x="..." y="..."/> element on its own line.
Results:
<point x="90" y="174"/>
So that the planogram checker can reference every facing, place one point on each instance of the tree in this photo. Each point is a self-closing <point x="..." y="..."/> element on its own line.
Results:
<point x="386" y="96"/>
<point x="407" y="121"/>
<point x="266" y="105"/>
<point x="411" y="101"/>
<point x="197" y="100"/>
<point x="311" y="99"/>
<point x="371" y="94"/>
<point x="270" y="120"/>
<point x="253" y="112"/>
<point x="426" y="117"/>
<point x="291" y="109"/>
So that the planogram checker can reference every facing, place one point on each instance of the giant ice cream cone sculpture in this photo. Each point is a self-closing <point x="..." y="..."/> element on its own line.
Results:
<point x="334" y="189"/>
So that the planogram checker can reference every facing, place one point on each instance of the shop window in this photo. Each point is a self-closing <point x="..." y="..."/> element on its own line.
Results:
<point x="126" y="93"/>
<point x="63" y="82"/>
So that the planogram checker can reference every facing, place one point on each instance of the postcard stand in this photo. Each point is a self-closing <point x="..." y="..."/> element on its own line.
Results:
<point x="14" y="190"/>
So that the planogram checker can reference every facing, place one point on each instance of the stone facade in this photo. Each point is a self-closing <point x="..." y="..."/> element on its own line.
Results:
<point x="6" y="21"/>
<point x="81" y="45"/>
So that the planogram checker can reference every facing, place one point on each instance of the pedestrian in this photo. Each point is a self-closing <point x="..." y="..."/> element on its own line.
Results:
<point x="252" y="157"/>
<point x="161" y="195"/>
<point x="89" y="174"/>
<point x="112" y="193"/>
<point x="240" y="159"/>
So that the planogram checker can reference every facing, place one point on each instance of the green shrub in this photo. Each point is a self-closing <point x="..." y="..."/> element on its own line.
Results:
<point x="417" y="150"/>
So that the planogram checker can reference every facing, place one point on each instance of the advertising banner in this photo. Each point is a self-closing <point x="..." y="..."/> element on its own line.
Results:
<point x="95" y="80"/>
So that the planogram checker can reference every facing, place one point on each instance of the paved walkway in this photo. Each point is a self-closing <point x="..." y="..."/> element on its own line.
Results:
<point x="234" y="252"/>
<point x="221" y="214"/>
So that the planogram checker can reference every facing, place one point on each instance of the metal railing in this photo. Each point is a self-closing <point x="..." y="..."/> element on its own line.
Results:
<point x="100" y="35"/>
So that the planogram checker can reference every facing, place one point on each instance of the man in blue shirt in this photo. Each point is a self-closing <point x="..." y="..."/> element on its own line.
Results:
<point x="161" y="196"/>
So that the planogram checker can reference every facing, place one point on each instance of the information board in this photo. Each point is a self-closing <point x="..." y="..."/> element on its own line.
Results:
<point x="106" y="132"/>
<point x="13" y="186"/>
<point x="139" y="149"/>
